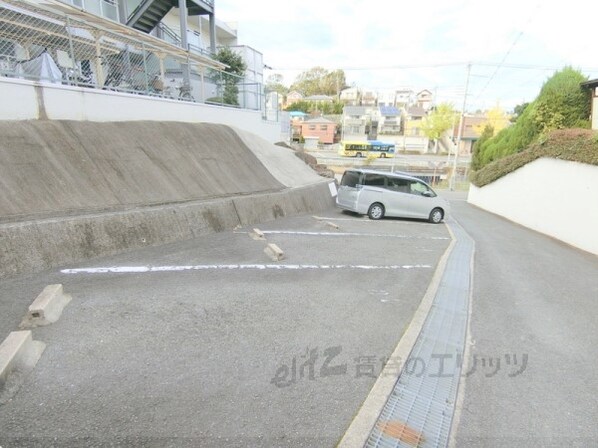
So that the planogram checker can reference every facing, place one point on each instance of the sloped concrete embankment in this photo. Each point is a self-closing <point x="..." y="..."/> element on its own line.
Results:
<point x="70" y="191"/>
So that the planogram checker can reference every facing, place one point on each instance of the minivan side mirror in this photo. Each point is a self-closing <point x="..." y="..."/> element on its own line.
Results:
<point x="428" y="194"/>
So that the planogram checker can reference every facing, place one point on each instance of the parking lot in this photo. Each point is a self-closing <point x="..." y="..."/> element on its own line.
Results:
<point x="211" y="342"/>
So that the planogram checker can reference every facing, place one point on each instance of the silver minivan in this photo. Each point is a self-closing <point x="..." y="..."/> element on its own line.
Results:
<point x="380" y="193"/>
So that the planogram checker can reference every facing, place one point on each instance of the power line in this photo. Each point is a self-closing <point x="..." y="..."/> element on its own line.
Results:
<point x="508" y="51"/>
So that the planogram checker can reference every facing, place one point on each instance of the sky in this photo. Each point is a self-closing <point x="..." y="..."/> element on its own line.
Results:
<point x="513" y="46"/>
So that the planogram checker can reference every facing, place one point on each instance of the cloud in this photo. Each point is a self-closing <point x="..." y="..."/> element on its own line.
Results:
<point x="367" y="38"/>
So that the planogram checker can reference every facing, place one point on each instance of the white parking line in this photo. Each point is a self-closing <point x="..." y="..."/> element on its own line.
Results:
<point x="364" y="218"/>
<point x="377" y="235"/>
<point x="205" y="267"/>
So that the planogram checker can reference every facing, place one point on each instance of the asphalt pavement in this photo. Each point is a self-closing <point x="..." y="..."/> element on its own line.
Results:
<point x="531" y="379"/>
<point x="210" y="343"/>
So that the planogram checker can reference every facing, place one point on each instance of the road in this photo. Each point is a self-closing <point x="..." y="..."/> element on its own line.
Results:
<point x="535" y="299"/>
<point x="426" y="161"/>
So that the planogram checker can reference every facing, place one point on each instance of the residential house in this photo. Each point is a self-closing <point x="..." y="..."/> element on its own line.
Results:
<point x="360" y="123"/>
<point x="404" y="97"/>
<point x="292" y="98"/>
<point x="355" y="122"/>
<point x="351" y="96"/>
<point x="321" y="128"/>
<point x="593" y="85"/>
<point x="472" y="129"/>
<point x="317" y="100"/>
<point x="387" y="98"/>
<point x="203" y="34"/>
<point x="390" y="120"/>
<point x="297" y="118"/>
<point x="413" y="121"/>
<point x="424" y="99"/>
<point x="369" y="98"/>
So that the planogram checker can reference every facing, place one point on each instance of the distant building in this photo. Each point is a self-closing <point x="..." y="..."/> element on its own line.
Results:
<point x="472" y="128"/>
<point x="369" y="98"/>
<point x="351" y="96"/>
<point x="390" y="120"/>
<point x="404" y="97"/>
<point x="321" y="128"/>
<point x="387" y="98"/>
<point x="424" y="99"/>
<point x="293" y="97"/>
<point x="593" y="85"/>
<point x="413" y="121"/>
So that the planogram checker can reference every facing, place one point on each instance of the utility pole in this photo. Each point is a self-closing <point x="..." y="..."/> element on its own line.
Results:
<point x="460" y="133"/>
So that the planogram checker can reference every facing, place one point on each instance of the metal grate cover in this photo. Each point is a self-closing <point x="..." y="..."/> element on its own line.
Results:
<point x="419" y="411"/>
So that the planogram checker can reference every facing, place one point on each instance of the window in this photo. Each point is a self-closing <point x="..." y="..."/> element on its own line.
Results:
<point x="323" y="127"/>
<point x="312" y="127"/>
<point x="375" y="180"/>
<point x="419" y="188"/>
<point x="350" y="179"/>
<point x="400" y="185"/>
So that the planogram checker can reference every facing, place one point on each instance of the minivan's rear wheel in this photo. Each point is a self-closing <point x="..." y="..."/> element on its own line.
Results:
<point x="383" y="156"/>
<point x="357" y="154"/>
<point x="376" y="211"/>
<point x="436" y="216"/>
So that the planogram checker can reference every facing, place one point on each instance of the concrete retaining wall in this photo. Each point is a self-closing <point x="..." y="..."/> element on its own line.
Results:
<point x="51" y="168"/>
<point x="27" y="100"/>
<point x="554" y="197"/>
<point x="32" y="246"/>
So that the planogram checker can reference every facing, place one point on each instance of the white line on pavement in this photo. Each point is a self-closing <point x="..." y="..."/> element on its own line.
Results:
<point x="379" y="235"/>
<point x="204" y="267"/>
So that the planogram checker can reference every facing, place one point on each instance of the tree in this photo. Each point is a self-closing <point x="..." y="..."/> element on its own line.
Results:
<point x="487" y="134"/>
<point x="495" y="118"/>
<point x="233" y="73"/>
<point x="518" y="111"/>
<point x="440" y="120"/>
<point x="319" y="81"/>
<point x="327" y="108"/>
<point x="561" y="103"/>
<point x="274" y="83"/>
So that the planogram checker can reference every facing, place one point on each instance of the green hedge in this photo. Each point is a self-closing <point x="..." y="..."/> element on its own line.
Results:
<point x="576" y="145"/>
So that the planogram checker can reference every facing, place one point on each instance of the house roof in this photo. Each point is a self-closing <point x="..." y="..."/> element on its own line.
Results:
<point x="590" y="83"/>
<point x="423" y="91"/>
<point x="354" y="110"/>
<point x="320" y="120"/>
<point x="416" y="111"/>
<point x="319" y="98"/>
<point x="389" y="111"/>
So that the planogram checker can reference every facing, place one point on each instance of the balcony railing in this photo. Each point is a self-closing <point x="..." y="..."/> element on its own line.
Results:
<point x="42" y="44"/>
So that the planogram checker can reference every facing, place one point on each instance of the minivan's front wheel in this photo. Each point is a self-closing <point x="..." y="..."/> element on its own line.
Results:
<point x="376" y="211"/>
<point x="436" y="216"/>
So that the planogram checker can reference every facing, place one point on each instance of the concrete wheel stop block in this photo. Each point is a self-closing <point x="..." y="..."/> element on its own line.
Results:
<point x="274" y="252"/>
<point x="18" y="352"/>
<point x="47" y="307"/>
<point x="257" y="234"/>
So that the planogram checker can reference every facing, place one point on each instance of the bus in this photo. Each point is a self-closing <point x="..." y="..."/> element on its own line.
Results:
<point x="364" y="149"/>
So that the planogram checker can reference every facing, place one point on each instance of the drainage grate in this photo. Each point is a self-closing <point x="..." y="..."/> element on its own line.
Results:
<point x="420" y="409"/>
